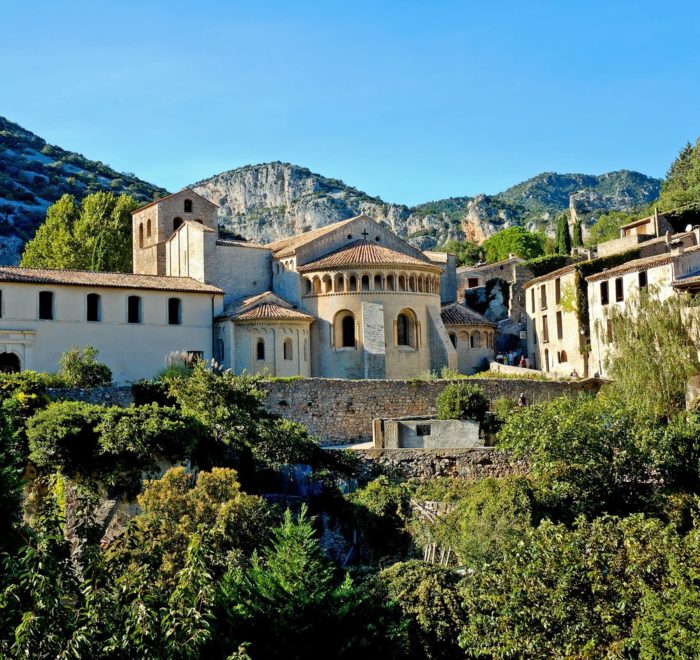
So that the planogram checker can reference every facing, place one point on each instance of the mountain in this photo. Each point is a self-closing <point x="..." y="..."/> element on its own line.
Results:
<point x="274" y="200"/>
<point x="34" y="174"/>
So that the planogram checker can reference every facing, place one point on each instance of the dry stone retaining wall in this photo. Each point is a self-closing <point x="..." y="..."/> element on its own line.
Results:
<point x="341" y="411"/>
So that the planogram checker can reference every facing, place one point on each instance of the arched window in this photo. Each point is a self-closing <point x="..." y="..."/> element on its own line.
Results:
<point x="344" y="329"/>
<point x="141" y="235"/>
<point x="453" y="339"/>
<point x="317" y="285"/>
<point x="174" y="311"/>
<point x="563" y="357"/>
<point x="390" y="283"/>
<point x="353" y="283"/>
<point x="188" y="206"/>
<point x="365" y="282"/>
<point x="177" y="223"/>
<point x="307" y="286"/>
<point x="476" y="340"/>
<point x="402" y="282"/>
<point x="148" y="228"/>
<point x="306" y="350"/>
<point x="94" y="307"/>
<point x="9" y="363"/>
<point x="220" y="351"/>
<point x="406" y="329"/>
<point x="133" y="309"/>
<point x="260" y="349"/>
<point x="287" y="349"/>
<point x="412" y="283"/>
<point x="378" y="283"/>
<point x="339" y="284"/>
<point x="327" y="284"/>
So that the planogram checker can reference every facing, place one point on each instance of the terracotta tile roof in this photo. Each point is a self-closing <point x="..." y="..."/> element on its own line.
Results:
<point x="458" y="314"/>
<point x="112" y="280"/>
<point x="285" y="247"/>
<point x="364" y="253"/>
<point x="688" y="282"/>
<point x="197" y="226"/>
<point x="271" y="311"/>
<point x="156" y="201"/>
<point x="234" y="243"/>
<point x="640" y="264"/>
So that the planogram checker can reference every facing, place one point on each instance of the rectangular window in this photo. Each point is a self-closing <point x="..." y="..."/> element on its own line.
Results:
<point x="560" y="326"/>
<point x="533" y="298"/>
<point x="545" y="329"/>
<point x="604" y="295"/>
<point x="423" y="429"/>
<point x="543" y="296"/>
<point x="134" y="309"/>
<point x="642" y="279"/>
<point x="93" y="307"/>
<point x="191" y="357"/>
<point x="46" y="305"/>
<point x="174" y="311"/>
<point x="472" y="282"/>
<point x="619" y="290"/>
<point x="0" y="304"/>
<point x="557" y="291"/>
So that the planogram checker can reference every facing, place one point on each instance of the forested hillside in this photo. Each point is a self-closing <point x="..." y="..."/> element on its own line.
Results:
<point x="34" y="174"/>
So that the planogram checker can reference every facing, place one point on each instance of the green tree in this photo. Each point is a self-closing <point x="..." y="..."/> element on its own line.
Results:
<point x="80" y="368"/>
<point x="93" y="236"/>
<point x="514" y="240"/>
<point x="289" y="602"/>
<point x="654" y="352"/>
<point x="682" y="184"/>
<point x="466" y="252"/>
<point x="577" y="236"/>
<point x="607" y="226"/>
<point x="563" y="235"/>
<point x="462" y="400"/>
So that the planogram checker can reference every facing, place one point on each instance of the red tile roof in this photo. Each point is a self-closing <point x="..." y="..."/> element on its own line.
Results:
<point x="271" y="311"/>
<point x="112" y="280"/>
<point x="458" y="314"/>
<point x="365" y="253"/>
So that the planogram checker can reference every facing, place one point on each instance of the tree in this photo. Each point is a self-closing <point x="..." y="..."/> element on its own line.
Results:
<point x="607" y="226"/>
<point x="462" y="400"/>
<point x="93" y="236"/>
<point x="80" y="368"/>
<point x="563" y="235"/>
<point x="654" y="354"/>
<point x="466" y="253"/>
<point x="514" y="240"/>
<point x="682" y="184"/>
<point x="577" y="236"/>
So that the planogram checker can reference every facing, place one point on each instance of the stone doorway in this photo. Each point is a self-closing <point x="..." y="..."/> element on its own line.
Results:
<point x="9" y="363"/>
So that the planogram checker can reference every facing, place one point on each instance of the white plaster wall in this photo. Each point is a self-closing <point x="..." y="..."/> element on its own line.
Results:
<point x="132" y="351"/>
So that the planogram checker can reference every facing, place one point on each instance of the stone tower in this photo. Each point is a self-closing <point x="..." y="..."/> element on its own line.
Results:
<point x="154" y="223"/>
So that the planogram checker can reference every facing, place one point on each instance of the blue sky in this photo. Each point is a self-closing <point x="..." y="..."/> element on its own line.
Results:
<point x="411" y="101"/>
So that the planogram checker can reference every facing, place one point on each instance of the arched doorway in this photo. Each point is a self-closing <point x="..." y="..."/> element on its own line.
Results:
<point x="9" y="363"/>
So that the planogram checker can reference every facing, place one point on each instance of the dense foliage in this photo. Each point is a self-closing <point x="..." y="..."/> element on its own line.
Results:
<point x="563" y="239"/>
<point x="93" y="235"/>
<point x="80" y="368"/>
<point x="514" y="240"/>
<point x="466" y="253"/>
<point x="682" y="184"/>
<point x="462" y="400"/>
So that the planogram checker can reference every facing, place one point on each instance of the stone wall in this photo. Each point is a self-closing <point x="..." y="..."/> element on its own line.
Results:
<point x="113" y="395"/>
<point x="470" y="464"/>
<point x="341" y="411"/>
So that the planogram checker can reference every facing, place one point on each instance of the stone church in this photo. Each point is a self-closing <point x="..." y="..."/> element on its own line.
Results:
<point x="348" y="300"/>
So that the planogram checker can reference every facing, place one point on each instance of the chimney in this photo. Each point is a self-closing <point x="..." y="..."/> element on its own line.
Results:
<point x="677" y="247"/>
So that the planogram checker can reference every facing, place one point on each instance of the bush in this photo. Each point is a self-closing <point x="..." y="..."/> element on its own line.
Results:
<point x="64" y="436"/>
<point x="80" y="368"/>
<point x="462" y="401"/>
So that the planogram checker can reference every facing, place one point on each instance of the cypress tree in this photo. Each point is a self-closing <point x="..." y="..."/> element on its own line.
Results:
<point x="563" y="235"/>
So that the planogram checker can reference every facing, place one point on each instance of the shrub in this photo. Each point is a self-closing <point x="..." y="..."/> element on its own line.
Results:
<point x="80" y="368"/>
<point x="462" y="401"/>
<point x="64" y="436"/>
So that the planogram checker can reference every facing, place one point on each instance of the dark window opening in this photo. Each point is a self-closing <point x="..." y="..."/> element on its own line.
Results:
<point x="472" y="282"/>
<point x="46" y="305"/>
<point x="174" y="311"/>
<point x="188" y="206"/>
<point x="545" y="329"/>
<point x="560" y="326"/>
<point x="557" y="291"/>
<point x="422" y="429"/>
<point x="402" y="330"/>
<point x="260" y="350"/>
<point x="134" y="309"/>
<point x="604" y="294"/>
<point x="93" y="307"/>
<point x="177" y="223"/>
<point x="348" y="329"/>
<point x="9" y="363"/>
<point x="642" y="279"/>
<point x="619" y="291"/>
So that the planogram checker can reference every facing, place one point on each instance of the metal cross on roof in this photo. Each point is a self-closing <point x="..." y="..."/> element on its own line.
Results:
<point x="365" y="233"/>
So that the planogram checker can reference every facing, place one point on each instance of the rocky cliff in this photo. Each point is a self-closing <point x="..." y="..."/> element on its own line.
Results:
<point x="274" y="200"/>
